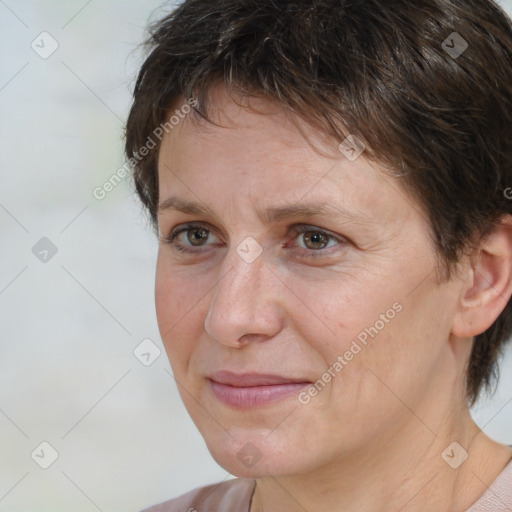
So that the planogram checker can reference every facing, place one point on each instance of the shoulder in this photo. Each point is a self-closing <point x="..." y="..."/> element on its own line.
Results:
<point x="228" y="496"/>
<point x="498" y="497"/>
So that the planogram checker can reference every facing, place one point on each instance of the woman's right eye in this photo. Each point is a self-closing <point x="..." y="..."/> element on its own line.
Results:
<point x="185" y="238"/>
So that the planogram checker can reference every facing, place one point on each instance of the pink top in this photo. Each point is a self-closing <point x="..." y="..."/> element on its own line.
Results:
<point x="235" y="496"/>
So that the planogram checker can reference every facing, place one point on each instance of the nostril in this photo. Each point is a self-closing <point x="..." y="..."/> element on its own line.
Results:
<point x="247" y="338"/>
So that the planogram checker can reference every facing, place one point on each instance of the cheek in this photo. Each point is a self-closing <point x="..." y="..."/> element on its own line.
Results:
<point x="333" y="313"/>
<point x="384" y="334"/>
<point x="178" y="304"/>
<point x="177" y="291"/>
<point x="403" y="360"/>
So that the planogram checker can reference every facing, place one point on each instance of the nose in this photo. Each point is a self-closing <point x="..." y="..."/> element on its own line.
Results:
<point x="245" y="303"/>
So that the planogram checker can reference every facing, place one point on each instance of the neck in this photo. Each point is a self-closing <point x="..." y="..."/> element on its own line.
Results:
<point x="406" y="471"/>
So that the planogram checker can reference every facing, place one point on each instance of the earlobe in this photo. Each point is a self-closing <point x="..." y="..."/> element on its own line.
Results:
<point x="488" y="285"/>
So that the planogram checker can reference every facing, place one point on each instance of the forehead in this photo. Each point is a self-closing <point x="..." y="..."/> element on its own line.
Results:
<point x="232" y="111"/>
<point x="270" y="158"/>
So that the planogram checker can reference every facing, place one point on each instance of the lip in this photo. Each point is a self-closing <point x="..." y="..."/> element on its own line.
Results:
<point x="248" y="390"/>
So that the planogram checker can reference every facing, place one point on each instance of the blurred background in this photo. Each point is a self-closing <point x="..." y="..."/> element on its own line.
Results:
<point x="90" y="418"/>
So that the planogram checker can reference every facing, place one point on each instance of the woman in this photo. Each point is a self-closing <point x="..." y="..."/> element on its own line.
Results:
<point x="328" y="182"/>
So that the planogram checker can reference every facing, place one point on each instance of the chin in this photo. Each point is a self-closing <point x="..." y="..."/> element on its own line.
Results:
<point x="253" y="456"/>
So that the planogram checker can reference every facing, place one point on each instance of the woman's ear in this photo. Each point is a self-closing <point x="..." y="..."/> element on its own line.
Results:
<point x="488" y="284"/>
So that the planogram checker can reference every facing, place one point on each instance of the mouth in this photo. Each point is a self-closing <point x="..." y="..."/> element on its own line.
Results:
<point x="249" y="390"/>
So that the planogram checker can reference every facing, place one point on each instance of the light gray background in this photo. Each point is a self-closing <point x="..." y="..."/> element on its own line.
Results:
<point x="69" y="326"/>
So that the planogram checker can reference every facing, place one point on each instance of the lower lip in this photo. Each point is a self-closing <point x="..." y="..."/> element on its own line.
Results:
<point x="248" y="397"/>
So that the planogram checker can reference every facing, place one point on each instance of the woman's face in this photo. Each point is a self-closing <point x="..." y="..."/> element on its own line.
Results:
<point x="296" y="269"/>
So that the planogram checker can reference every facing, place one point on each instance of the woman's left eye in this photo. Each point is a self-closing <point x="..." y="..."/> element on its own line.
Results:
<point x="315" y="239"/>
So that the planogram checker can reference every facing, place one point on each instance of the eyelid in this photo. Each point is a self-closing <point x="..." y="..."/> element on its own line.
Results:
<point x="183" y="228"/>
<point x="304" y="228"/>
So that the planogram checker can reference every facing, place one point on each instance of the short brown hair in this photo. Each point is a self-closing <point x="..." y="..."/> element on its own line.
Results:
<point x="396" y="73"/>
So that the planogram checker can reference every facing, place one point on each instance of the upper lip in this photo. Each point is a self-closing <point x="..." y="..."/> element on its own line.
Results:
<point x="253" y="379"/>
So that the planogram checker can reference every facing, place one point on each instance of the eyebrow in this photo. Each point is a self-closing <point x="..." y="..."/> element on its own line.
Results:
<point x="269" y="215"/>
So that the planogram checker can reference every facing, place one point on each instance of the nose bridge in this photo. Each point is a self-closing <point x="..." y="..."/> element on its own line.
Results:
<point x="240" y="303"/>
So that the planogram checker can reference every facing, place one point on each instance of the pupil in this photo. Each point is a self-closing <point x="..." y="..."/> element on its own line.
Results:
<point x="198" y="235"/>
<point x="316" y="239"/>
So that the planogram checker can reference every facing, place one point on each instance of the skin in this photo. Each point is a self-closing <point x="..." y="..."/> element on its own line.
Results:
<point x="372" y="439"/>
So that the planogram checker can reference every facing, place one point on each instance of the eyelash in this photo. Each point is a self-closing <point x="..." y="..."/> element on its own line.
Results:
<point x="296" y="231"/>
